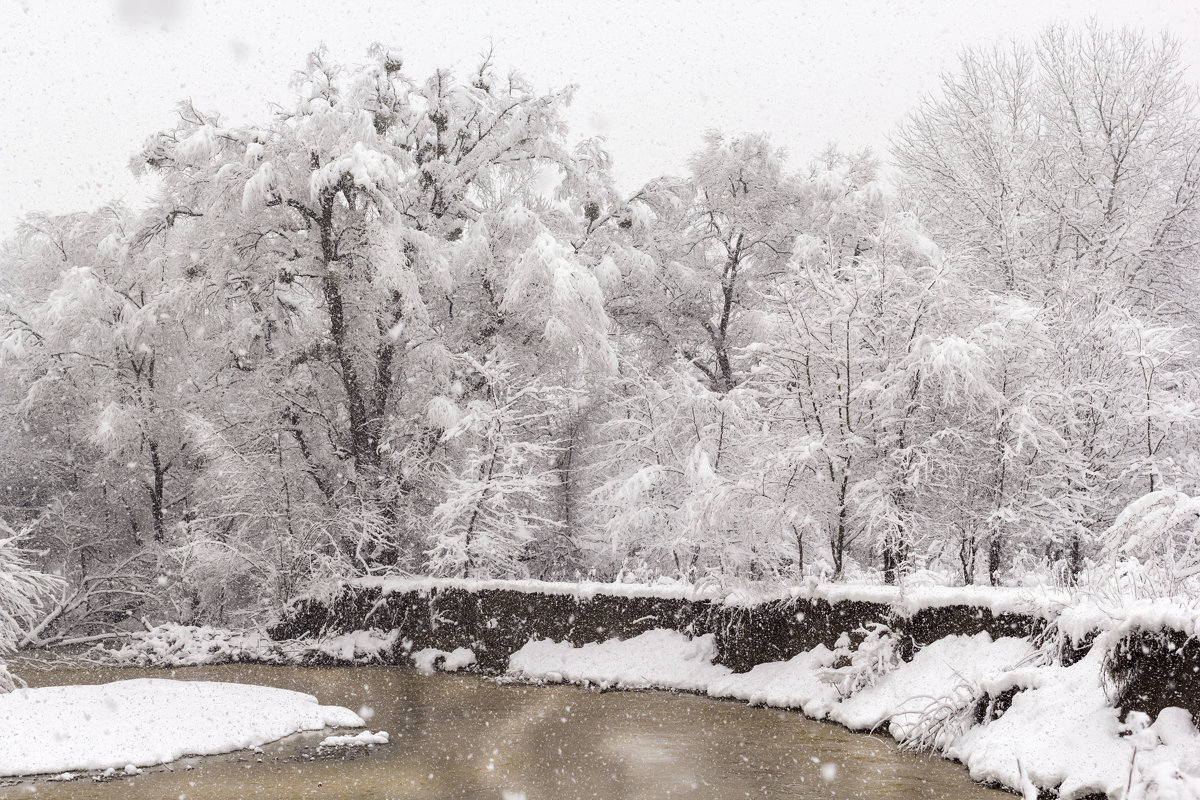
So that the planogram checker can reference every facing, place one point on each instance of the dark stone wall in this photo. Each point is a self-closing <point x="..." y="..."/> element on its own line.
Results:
<point x="1151" y="670"/>
<point x="496" y="622"/>
<point x="930" y="624"/>
<point x="778" y="630"/>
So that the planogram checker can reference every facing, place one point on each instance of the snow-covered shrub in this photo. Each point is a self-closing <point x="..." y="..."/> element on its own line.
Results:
<point x="211" y="581"/>
<point x="190" y="645"/>
<point x="1159" y="531"/>
<point x="968" y="700"/>
<point x="944" y="719"/>
<point x="856" y="668"/>
<point x="21" y="587"/>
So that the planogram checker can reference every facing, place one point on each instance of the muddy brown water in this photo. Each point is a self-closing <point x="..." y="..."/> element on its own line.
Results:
<point x="458" y="736"/>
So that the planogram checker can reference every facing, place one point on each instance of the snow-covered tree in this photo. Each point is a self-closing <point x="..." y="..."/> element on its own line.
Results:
<point x="93" y="340"/>
<point x="501" y="451"/>
<point x="1070" y="162"/>
<point x="398" y="325"/>
<point x="687" y="288"/>
<point x="1067" y="173"/>
<point x="861" y="357"/>
<point x="667" y="456"/>
<point x="372" y="236"/>
<point x="714" y="239"/>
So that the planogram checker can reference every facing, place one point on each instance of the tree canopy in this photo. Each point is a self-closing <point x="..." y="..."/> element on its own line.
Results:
<point x="402" y="326"/>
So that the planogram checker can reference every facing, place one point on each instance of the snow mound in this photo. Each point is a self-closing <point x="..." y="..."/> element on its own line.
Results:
<point x="663" y="658"/>
<point x="796" y="683"/>
<point x="138" y="723"/>
<point x="356" y="647"/>
<point x="1061" y="731"/>
<point x="431" y="658"/>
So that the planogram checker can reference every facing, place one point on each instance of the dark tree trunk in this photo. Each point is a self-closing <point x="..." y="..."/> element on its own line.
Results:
<point x="839" y="537"/>
<point x="156" y="492"/>
<point x="994" y="553"/>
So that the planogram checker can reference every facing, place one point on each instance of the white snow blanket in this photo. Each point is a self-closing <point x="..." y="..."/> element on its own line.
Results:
<point x="667" y="659"/>
<point x="1061" y="731"/>
<point x="149" y="721"/>
<point x="799" y="683"/>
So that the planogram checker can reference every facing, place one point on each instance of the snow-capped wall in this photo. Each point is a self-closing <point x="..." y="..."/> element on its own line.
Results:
<point x="496" y="618"/>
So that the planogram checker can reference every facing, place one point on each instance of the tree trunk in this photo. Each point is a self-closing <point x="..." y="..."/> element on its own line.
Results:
<point x="364" y="443"/>
<point x="839" y="538"/>
<point x="156" y="492"/>
<point x="994" y="552"/>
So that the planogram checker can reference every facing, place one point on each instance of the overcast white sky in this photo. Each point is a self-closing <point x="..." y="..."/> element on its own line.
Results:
<point x="85" y="82"/>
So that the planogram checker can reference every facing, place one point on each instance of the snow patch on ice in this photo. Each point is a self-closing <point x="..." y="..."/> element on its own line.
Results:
<point x="357" y="740"/>
<point x="138" y="723"/>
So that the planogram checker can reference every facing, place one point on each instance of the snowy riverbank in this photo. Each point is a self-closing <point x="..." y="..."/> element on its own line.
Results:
<point x="1058" y="733"/>
<point x="1074" y="693"/>
<point x="1030" y="689"/>
<point x="1006" y="707"/>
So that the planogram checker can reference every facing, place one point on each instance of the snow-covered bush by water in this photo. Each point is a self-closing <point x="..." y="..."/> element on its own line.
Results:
<point x="22" y="590"/>
<point x="857" y="667"/>
<point x="189" y="645"/>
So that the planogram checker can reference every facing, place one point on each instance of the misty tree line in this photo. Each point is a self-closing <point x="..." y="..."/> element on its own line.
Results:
<point x="399" y="326"/>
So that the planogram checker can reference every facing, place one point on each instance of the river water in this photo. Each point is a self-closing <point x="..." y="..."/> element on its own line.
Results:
<point x="464" y="737"/>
